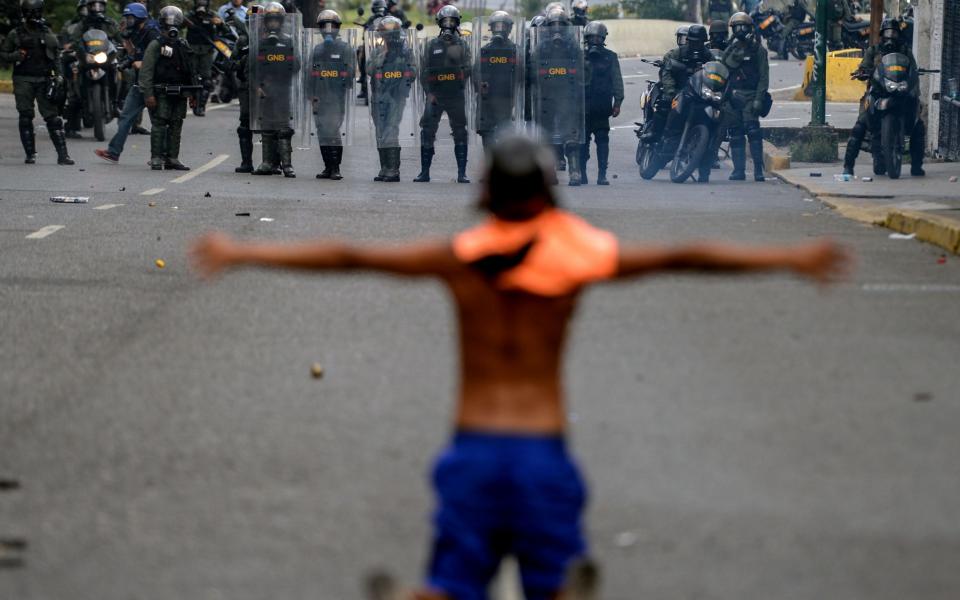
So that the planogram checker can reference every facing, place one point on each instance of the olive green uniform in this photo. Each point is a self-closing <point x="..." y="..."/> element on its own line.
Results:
<point x="718" y="10"/>
<point x="794" y="15"/>
<point x="749" y="81"/>
<point x="201" y="30"/>
<point x="167" y="117"/>
<point x="242" y="66"/>
<point x="34" y="53"/>
<point x="838" y="11"/>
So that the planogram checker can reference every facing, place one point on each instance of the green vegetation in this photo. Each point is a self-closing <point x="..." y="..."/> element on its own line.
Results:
<point x="655" y="9"/>
<point x="604" y="12"/>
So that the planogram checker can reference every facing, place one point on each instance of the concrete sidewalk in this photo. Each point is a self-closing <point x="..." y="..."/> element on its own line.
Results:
<point x="928" y="207"/>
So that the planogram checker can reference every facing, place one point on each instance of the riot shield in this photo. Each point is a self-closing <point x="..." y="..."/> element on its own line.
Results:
<point x="498" y="79"/>
<point x="392" y="82"/>
<point x="276" y="59"/>
<point x="330" y="76"/>
<point x="557" y="77"/>
<point x="446" y="88"/>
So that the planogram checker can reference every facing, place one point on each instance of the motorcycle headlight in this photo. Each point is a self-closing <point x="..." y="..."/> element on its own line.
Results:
<point x="891" y="86"/>
<point x="707" y="93"/>
<point x="100" y="58"/>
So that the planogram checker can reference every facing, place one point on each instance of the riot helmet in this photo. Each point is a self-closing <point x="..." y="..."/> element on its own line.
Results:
<point x="448" y="19"/>
<point x="378" y="7"/>
<point x="553" y="5"/>
<point x="274" y="15"/>
<point x="201" y="6"/>
<point x="538" y="21"/>
<point x="742" y="26"/>
<point x="595" y="33"/>
<point x="390" y="29"/>
<point x="96" y="10"/>
<point x="557" y="21"/>
<point x="682" y="35"/>
<point x="82" y="8"/>
<point x="328" y="21"/>
<point x="500" y="24"/>
<point x="32" y="11"/>
<point x="579" y="8"/>
<point x="170" y="19"/>
<point x="696" y="38"/>
<point x="890" y="34"/>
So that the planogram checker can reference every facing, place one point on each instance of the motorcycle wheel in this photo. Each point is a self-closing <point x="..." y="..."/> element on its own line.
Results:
<point x="891" y="140"/>
<point x="648" y="160"/>
<point x="689" y="153"/>
<point x="799" y="52"/>
<point x="97" y="110"/>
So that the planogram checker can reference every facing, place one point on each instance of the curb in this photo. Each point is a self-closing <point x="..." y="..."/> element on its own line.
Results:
<point x="774" y="158"/>
<point x="934" y="229"/>
<point x="6" y="86"/>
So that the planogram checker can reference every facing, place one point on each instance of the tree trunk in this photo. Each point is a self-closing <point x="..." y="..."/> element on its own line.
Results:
<point x="693" y="11"/>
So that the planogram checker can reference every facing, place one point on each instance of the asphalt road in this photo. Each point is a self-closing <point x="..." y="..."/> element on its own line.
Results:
<point x="743" y="437"/>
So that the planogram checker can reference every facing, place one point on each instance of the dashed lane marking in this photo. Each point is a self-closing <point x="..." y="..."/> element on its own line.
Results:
<point x="106" y="206"/>
<point x="201" y="170"/>
<point x="151" y="192"/>
<point x="912" y="288"/>
<point x="44" y="232"/>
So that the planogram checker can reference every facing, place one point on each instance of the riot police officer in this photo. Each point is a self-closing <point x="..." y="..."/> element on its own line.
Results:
<point x="277" y="65"/>
<point x="795" y="14"/>
<point x="444" y="76"/>
<point x="392" y="75"/>
<point x="79" y="17"/>
<point x="579" y="17"/>
<point x="395" y="10"/>
<point x="496" y="78"/>
<point x="603" y="94"/>
<point x="838" y="11"/>
<point x="891" y="41"/>
<point x="240" y="63"/>
<point x="678" y="65"/>
<point x="715" y="17"/>
<point x="378" y="10"/>
<point x="166" y="66"/>
<point x="34" y="52"/>
<point x="332" y="69"/>
<point x="203" y="25"/>
<point x="749" y="79"/>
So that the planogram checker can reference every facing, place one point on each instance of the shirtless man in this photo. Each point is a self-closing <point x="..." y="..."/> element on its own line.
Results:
<point x="506" y="484"/>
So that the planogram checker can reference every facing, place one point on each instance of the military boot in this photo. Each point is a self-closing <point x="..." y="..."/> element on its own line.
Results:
<point x="158" y="145"/>
<point x="200" y="108"/>
<point x="172" y="162"/>
<point x="29" y="140"/>
<point x="584" y="157"/>
<point x="460" y="152"/>
<point x="603" y="159"/>
<point x="285" y="151"/>
<point x="270" y="155"/>
<point x="246" y="150"/>
<point x="850" y="157"/>
<point x="561" y="160"/>
<point x="73" y="113"/>
<point x="756" y="151"/>
<point x="917" y="144"/>
<point x="392" y="174"/>
<point x="336" y="155"/>
<point x="573" y="164"/>
<point x="738" y="154"/>
<point x="383" y="163"/>
<point x="59" y="139"/>
<point x="327" y="163"/>
<point x="426" y="159"/>
<point x="876" y="149"/>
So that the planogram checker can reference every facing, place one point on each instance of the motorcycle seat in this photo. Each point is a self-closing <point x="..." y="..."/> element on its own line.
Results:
<point x="856" y="25"/>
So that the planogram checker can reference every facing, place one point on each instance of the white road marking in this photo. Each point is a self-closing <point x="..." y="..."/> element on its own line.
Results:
<point x="636" y="76"/>
<point x="106" y="206"/>
<point x="151" y="192"/>
<point x="782" y="119"/>
<point x="786" y="89"/>
<point x="911" y="287"/>
<point x="219" y="106"/>
<point x="44" y="232"/>
<point x="201" y="170"/>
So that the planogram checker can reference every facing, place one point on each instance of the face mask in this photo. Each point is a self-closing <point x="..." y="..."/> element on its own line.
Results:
<point x="172" y="33"/>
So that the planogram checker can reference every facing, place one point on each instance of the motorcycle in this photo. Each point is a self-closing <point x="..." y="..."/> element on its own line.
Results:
<point x="800" y="41"/>
<point x="693" y="127"/>
<point x="769" y="25"/>
<point x="224" y="73"/>
<point x="854" y="34"/>
<point x="96" y="71"/>
<point x="648" y="104"/>
<point x="893" y="103"/>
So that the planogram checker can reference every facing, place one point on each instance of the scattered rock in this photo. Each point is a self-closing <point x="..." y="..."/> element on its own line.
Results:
<point x="206" y="194"/>
<point x="81" y="169"/>
<point x="316" y="370"/>
<point x="151" y="204"/>
<point x="953" y="179"/>
<point x="942" y="260"/>
<point x="922" y="397"/>
<point x="625" y="539"/>
<point x="8" y="485"/>
<point x="123" y="189"/>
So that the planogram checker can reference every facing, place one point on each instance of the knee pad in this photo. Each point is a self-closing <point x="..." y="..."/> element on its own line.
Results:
<point x="54" y="123"/>
<point x="460" y="137"/>
<point x="754" y="133"/>
<point x="858" y="132"/>
<point x="244" y="132"/>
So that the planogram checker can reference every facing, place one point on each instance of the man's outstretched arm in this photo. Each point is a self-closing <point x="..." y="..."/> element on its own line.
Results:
<point x="216" y="252"/>
<point x="823" y="260"/>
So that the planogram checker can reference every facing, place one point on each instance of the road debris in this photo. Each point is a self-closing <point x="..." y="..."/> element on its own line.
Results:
<point x="266" y="219"/>
<point x="160" y="263"/>
<point x="816" y="174"/>
<point x="902" y="236"/>
<point x="867" y="179"/>
<point x="922" y="397"/>
<point x="241" y="214"/>
<point x="123" y="189"/>
<point x="70" y="199"/>
<point x="8" y="485"/>
<point x="808" y="199"/>
<point x="625" y="539"/>
<point x="953" y="179"/>
<point x="843" y="177"/>
<point x="316" y="370"/>
<point x="151" y="204"/>
<point x="942" y="260"/>
<point x="207" y="195"/>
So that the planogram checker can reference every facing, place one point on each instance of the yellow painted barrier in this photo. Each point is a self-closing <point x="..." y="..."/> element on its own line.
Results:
<point x="6" y="86"/>
<point x="840" y="88"/>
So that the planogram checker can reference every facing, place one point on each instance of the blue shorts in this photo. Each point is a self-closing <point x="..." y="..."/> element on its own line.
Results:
<point x="502" y="495"/>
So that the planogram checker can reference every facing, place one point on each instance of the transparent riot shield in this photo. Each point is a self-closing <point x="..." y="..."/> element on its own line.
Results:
<point x="392" y="83"/>
<point x="329" y="81"/>
<point x="557" y="77"/>
<point x="446" y="89"/>
<point x="276" y="82"/>
<point x="497" y="80"/>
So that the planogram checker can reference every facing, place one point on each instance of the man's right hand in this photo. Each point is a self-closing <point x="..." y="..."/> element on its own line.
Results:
<point x="151" y="102"/>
